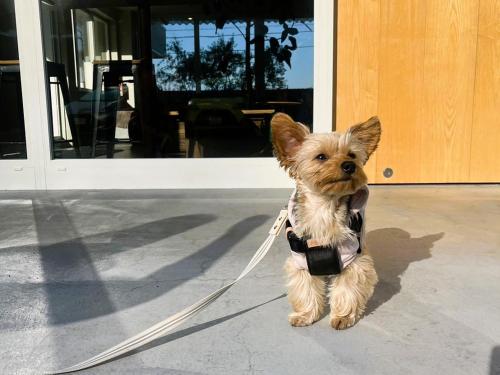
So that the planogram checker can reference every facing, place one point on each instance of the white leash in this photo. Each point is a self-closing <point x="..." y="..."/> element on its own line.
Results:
<point x="177" y="319"/>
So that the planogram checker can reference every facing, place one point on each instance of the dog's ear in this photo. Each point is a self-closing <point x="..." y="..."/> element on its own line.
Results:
<point x="367" y="134"/>
<point x="288" y="137"/>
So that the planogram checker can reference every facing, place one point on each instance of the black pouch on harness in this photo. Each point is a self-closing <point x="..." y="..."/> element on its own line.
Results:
<point x="323" y="261"/>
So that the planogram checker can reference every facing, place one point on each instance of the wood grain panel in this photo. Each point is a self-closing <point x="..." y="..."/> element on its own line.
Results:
<point x="449" y="70"/>
<point x="485" y="159"/>
<point x="429" y="69"/>
<point x="357" y="65"/>
<point x="401" y="77"/>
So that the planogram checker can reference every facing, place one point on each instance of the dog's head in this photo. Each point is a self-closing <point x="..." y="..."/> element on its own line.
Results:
<point x="329" y="163"/>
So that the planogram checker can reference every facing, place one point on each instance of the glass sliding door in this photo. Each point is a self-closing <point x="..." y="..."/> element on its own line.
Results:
<point x="93" y="77"/>
<point x="12" y="130"/>
<point x="193" y="79"/>
<point x="133" y="94"/>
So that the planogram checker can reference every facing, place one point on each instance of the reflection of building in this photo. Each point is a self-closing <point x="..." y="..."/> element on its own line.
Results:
<point x="231" y="63"/>
<point x="90" y="90"/>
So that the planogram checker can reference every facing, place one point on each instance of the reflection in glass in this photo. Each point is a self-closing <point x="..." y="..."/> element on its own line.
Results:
<point x="12" y="134"/>
<point x="195" y="79"/>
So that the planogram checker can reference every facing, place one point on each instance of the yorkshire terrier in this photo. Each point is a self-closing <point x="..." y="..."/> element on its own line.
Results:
<point x="325" y="225"/>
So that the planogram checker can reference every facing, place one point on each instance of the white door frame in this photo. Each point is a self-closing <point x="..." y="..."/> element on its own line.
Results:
<point x="39" y="171"/>
<point x="20" y="174"/>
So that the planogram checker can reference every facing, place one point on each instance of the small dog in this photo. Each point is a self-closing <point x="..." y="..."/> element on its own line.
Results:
<point x="326" y="211"/>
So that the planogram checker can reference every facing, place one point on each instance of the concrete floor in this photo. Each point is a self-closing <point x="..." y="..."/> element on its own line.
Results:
<point x="81" y="271"/>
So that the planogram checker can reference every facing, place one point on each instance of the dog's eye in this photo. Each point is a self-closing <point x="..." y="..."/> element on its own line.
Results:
<point x="321" y="157"/>
<point x="352" y="155"/>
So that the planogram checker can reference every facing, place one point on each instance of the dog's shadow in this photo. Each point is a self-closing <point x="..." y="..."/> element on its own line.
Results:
<point x="393" y="250"/>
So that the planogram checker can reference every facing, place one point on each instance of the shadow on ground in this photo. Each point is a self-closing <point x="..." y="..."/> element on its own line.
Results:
<point x="393" y="250"/>
<point x="495" y="361"/>
<point x="73" y="287"/>
<point x="191" y="330"/>
<point x="187" y="331"/>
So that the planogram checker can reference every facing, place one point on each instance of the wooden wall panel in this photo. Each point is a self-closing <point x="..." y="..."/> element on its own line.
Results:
<point x="402" y="33"/>
<point x="357" y="61"/>
<point x="449" y="70"/>
<point x="423" y="85"/>
<point x="485" y="150"/>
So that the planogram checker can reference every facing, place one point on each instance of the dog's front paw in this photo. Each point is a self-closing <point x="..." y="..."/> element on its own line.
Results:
<point x="342" y="322"/>
<point x="297" y="319"/>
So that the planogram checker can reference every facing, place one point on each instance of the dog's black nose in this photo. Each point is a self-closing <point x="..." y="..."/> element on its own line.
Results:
<point x="348" y="167"/>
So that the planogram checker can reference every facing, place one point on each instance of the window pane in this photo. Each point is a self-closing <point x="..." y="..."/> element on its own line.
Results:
<point x="12" y="135"/>
<point x="195" y="79"/>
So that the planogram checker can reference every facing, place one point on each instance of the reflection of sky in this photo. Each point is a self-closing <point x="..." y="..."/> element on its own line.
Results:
<point x="301" y="74"/>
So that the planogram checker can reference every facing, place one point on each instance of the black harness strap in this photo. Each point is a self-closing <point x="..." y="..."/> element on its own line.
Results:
<point x="323" y="260"/>
<point x="356" y="224"/>
<point x="296" y="244"/>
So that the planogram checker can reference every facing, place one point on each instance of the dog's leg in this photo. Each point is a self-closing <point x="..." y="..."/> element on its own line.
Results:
<point x="306" y="294"/>
<point x="350" y="291"/>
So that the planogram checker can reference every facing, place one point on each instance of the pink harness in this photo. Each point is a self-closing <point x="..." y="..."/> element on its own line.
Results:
<point x="346" y="251"/>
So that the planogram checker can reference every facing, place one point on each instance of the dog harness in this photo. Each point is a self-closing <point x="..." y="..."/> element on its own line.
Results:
<point x="328" y="260"/>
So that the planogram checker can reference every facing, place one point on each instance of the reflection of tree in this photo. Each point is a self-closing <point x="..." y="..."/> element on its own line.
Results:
<point x="176" y="70"/>
<point x="222" y="67"/>
<point x="274" y="71"/>
<point x="282" y="51"/>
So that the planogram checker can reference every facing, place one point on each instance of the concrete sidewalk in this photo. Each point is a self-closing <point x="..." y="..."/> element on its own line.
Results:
<point x="83" y="270"/>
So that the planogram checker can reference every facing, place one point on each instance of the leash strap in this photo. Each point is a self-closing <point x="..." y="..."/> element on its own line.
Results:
<point x="172" y="322"/>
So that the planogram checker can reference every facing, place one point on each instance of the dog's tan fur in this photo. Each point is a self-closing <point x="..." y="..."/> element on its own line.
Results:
<point x="323" y="189"/>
